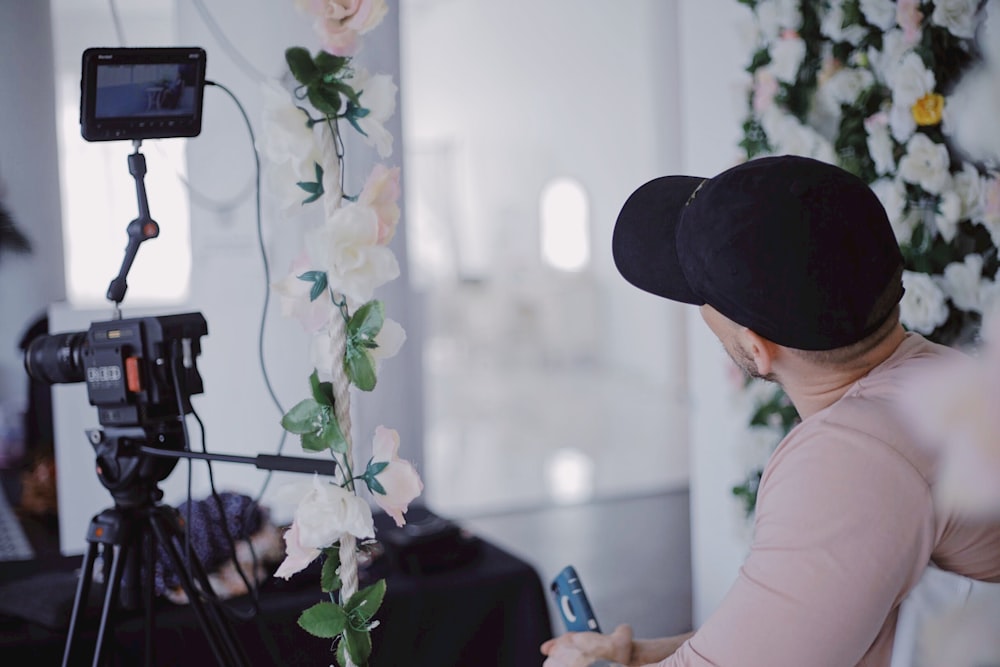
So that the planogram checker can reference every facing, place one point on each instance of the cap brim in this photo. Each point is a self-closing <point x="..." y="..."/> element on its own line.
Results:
<point x="644" y="243"/>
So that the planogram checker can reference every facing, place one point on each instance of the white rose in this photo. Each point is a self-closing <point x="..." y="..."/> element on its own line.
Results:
<point x="925" y="164"/>
<point x="833" y="26"/>
<point x="292" y="149"/>
<point x="286" y="134"/>
<point x="958" y="16"/>
<point x="902" y="125"/>
<point x="892" y="194"/>
<point x="768" y="19"/>
<point x="880" y="143"/>
<point x="789" y="136"/>
<point x="989" y="300"/>
<point x="329" y="512"/>
<point x="885" y="62"/>
<point x="910" y="81"/>
<point x="948" y="214"/>
<point x="378" y="95"/>
<point x="347" y="248"/>
<point x="924" y="306"/>
<point x="788" y="14"/>
<point x="880" y="13"/>
<point x="968" y="186"/>
<point x="847" y="84"/>
<point x="389" y="340"/>
<point x="787" y="55"/>
<point x="961" y="281"/>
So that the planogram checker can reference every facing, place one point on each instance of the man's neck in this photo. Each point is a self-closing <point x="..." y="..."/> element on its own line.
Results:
<point x="813" y="387"/>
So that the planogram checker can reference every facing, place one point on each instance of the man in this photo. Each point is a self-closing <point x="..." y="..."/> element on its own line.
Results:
<point x="796" y="270"/>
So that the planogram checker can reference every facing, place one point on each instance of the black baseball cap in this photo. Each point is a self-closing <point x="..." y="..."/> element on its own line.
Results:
<point x="798" y="250"/>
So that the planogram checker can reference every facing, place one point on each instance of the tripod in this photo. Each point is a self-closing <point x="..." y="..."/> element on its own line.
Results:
<point x="128" y="534"/>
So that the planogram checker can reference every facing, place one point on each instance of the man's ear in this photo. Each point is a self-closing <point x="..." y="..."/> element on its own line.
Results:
<point x="761" y="350"/>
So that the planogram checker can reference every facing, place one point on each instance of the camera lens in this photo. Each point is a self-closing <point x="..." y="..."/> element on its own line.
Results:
<point x="57" y="359"/>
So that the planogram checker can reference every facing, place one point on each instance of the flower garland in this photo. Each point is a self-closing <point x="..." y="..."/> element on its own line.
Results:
<point x="330" y="291"/>
<point x="881" y="88"/>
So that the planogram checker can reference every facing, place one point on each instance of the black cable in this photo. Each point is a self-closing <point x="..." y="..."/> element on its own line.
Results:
<point x="210" y="596"/>
<point x="267" y="281"/>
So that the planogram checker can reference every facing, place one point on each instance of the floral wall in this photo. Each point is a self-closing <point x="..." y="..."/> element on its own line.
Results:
<point x="904" y="94"/>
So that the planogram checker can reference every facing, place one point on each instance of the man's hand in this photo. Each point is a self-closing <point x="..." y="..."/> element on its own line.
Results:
<point x="580" y="649"/>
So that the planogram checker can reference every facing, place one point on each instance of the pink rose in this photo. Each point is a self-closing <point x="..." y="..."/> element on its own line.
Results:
<point x="381" y="192"/>
<point x="340" y="22"/>
<point x="297" y="557"/>
<point x="909" y="17"/>
<point x="765" y="87"/>
<point x="399" y="479"/>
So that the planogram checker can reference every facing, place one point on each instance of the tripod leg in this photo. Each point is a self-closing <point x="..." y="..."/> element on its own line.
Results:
<point x="82" y="593"/>
<point x="110" y="597"/>
<point x="218" y="631"/>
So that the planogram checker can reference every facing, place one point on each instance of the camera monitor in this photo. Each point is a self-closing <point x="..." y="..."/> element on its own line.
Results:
<point x="141" y="93"/>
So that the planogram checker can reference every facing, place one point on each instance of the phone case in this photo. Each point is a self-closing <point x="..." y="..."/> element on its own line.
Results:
<point x="572" y="602"/>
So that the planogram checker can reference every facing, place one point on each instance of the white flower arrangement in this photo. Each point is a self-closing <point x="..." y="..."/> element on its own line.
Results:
<point x="330" y="290"/>
<point x="882" y="89"/>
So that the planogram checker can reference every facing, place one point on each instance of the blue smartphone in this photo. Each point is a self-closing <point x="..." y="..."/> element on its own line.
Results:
<point x="572" y="602"/>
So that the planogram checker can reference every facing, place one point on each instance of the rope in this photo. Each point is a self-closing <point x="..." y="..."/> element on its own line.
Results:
<point x="342" y="409"/>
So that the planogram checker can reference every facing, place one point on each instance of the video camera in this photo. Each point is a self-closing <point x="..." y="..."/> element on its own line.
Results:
<point x="139" y="371"/>
<point x="140" y="375"/>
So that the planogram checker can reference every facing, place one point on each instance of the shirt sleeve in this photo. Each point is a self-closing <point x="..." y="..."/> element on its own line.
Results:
<point x="844" y="527"/>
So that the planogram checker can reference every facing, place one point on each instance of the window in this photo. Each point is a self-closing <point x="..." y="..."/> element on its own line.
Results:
<point x="565" y="225"/>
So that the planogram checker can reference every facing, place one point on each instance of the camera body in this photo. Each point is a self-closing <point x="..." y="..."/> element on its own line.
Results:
<point x="141" y="93"/>
<point x="139" y="371"/>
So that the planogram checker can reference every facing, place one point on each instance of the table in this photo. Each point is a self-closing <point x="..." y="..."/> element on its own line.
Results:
<point x="490" y="610"/>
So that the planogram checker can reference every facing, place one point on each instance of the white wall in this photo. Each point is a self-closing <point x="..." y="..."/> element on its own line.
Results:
<point x="713" y="93"/>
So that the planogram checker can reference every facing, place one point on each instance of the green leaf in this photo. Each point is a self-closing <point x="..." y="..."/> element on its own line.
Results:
<point x="319" y="283"/>
<point x="312" y="187"/>
<point x="331" y="436"/>
<point x="360" y="367"/>
<point x="366" y="601"/>
<point x="322" y="392"/>
<point x="302" y="66"/>
<point x="323" y="619"/>
<point x="374" y="485"/>
<point x="367" y="321"/>
<point x="304" y="417"/>
<point x="375" y="468"/>
<point x="359" y="645"/>
<point x="353" y="96"/>
<point x="329" y="64"/>
<point x="329" y="579"/>
<point x="342" y="654"/>
<point x="316" y="422"/>
<point x="325" y="97"/>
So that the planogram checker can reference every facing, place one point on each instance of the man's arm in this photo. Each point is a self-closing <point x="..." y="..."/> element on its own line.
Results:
<point x="581" y="649"/>
<point x="844" y="527"/>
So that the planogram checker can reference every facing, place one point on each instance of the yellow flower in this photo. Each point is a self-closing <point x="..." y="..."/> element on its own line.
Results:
<point x="927" y="110"/>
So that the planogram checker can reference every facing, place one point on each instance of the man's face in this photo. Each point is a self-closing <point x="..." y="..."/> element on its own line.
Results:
<point x="727" y="332"/>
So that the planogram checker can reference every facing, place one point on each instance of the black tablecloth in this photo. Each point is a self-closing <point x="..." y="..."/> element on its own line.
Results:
<point x="488" y="610"/>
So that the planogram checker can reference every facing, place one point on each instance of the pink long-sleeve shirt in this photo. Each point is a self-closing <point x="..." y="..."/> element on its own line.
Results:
<point x="845" y="525"/>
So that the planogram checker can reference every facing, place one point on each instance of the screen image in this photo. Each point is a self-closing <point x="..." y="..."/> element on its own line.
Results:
<point x="141" y="93"/>
<point x="145" y="90"/>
